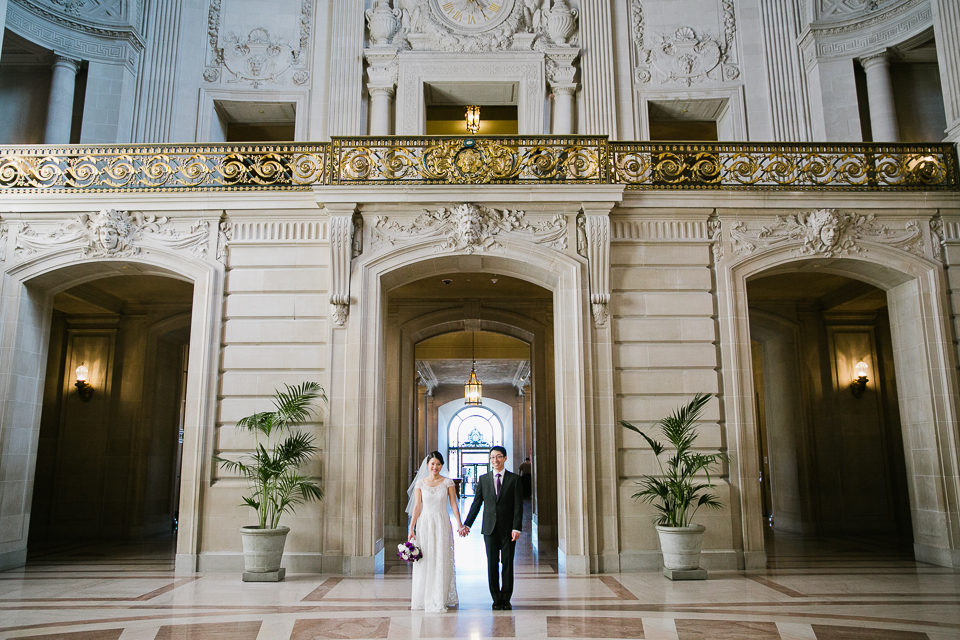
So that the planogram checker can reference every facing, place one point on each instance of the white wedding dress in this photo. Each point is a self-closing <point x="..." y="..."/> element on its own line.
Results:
<point x="434" y="579"/>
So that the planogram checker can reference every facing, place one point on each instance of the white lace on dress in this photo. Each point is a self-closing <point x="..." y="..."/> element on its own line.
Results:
<point x="434" y="578"/>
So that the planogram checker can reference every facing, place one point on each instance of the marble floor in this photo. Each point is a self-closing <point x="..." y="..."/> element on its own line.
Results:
<point x="828" y="589"/>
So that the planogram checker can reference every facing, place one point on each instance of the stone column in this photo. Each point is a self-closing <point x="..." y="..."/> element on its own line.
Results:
<point x="60" y="105"/>
<point x="381" y="85"/>
<point x="883" y="111"/>
<point x="946" y="29"/>
<point x="560" y="76"/>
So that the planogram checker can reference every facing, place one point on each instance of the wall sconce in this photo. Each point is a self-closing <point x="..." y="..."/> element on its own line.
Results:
<point x="472" y="114"/>
<point x="83" y="387"/>
<point x="859" y="385"/>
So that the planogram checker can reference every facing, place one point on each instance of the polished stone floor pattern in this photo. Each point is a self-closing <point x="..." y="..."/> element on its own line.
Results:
<point x="836" y="589"/>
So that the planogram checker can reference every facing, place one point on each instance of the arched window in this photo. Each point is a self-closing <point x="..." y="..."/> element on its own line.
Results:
<point x="472" y="431"/>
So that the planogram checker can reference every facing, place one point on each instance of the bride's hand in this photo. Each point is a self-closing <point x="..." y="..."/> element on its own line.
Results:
<point x="412" y="537"/>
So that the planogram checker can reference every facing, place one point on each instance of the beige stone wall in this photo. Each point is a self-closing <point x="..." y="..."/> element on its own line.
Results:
<point x="663" y="314"/>
<point x="274" y="332"/>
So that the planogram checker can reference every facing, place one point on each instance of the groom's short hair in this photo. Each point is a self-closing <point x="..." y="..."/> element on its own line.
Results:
<point x="500" y="449"/>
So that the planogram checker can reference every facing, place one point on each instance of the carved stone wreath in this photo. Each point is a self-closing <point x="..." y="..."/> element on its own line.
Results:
<point x="827" y="233"/>
<point x="471" y="228"/>
<point x="112" y="234"/>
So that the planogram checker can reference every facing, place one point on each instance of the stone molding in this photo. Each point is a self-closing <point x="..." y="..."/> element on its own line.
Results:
<point x="471" y="228"/>
<point x="75" y="38"/>
<point x="688" y="55"/>
<point x="826" y="233"/>
<point x="112" y="234"/>
<point x="865" y="35"/>
<point x="274" y="232"/>
<point x="257" y="58"/>
<point x="418" y="69"/>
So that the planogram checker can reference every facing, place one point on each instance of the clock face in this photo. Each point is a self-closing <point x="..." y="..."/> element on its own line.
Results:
<point x="472" y="16"/>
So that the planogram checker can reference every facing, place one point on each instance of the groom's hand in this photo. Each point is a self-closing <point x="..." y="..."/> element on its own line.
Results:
<point x="514" y="536"/>
<point x="464" y="530"/>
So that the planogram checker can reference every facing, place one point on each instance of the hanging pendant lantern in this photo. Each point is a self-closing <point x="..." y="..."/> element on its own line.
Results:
<point x="473" y="388"/>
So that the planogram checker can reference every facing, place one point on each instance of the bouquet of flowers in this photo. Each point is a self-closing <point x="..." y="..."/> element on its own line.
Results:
<point x="409" y="551"/>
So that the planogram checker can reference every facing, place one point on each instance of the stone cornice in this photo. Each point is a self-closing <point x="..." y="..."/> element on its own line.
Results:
<point x="865" y="35"/>
<point x="116" y="32"/>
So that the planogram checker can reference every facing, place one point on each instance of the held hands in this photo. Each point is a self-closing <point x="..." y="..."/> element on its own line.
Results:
<point x="463" y="531"/>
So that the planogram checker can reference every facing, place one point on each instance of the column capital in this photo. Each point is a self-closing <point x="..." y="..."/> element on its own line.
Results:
<point x="65" y="62"/>
<point x="875" y="59"/>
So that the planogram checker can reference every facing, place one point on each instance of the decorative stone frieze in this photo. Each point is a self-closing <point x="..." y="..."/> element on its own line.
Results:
<point x="826" y="233"/>
<point x="471" y="228"/>
<point x="865" y="33"/>
<point x="113" y="234"/>
<point x="671" y="230"/>
<point x="688" y="54"/>
<point x="256" y="57"/>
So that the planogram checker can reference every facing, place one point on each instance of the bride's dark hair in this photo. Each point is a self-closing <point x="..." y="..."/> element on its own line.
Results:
<point x="434" y="454"/>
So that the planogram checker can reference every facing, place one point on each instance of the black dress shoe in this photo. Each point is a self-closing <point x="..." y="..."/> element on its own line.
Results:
<point x="496" y="607"/>
<point x="507" y="607"/>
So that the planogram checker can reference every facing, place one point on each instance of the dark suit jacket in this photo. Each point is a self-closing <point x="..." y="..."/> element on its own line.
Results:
<point x="507" y="507"/>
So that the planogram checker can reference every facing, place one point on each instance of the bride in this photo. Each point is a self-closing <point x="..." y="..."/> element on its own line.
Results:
<point x="434" y="579"/>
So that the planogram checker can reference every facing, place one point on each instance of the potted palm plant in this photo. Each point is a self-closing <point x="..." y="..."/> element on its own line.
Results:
<point x="680" y="490"/>
<point x="273" y="473"/>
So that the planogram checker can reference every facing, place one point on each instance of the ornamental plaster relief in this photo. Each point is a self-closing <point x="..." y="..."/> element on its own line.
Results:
<point x="112" y="234"/>
<point x="249" y="46"/>
<point x="827" y="233"/>
<point x="471" y="228"/>
<point x="110" y="34"/>
<point x="429" y="25"/>
<point x="684" y="48"/>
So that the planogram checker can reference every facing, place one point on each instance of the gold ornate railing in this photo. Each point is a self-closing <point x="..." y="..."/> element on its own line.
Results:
<point x="163" y="167"/>
<point x="455" y="160"/>
<point x="481" y="160"/>
<point x="849" y="167"/>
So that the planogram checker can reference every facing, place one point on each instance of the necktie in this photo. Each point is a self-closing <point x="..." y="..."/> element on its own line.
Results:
<point x="498" y="484"/>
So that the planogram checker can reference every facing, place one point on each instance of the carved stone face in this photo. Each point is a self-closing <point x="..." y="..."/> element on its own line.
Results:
<point x="108" y="236"/>
<point x="829" y="233"/>
<point x="468" y="225"/>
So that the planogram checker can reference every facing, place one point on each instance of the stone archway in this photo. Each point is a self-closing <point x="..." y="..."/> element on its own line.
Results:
<point x="354" y="529"/>
<point x="30" y="281"/>
<point x="922" y="341"/>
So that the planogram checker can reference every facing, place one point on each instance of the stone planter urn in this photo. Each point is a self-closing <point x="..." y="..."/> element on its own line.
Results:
<point x="561" y="22"/>
<point x="382" y="22"/>
<point x="262" y="552"/>
<point x="681" y="551"/>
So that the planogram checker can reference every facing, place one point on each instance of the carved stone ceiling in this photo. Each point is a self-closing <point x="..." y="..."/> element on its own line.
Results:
<point x="110" y="295"/>
<point x="490" y="372"/>
<point x="825" y="291"/>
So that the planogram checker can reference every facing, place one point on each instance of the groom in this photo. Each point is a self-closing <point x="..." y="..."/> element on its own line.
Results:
<point x="500" y="495"/>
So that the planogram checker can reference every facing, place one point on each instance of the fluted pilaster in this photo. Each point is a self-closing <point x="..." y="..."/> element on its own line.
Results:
<point x="787" y="81"/>
<point x="156" y="102"/>
<point x="346" y="69"/>
<point x="946" y="29"/>
<point x="598" y="106"/>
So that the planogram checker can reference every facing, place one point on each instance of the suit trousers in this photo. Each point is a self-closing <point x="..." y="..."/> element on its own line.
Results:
<point x="500" y="551"/>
